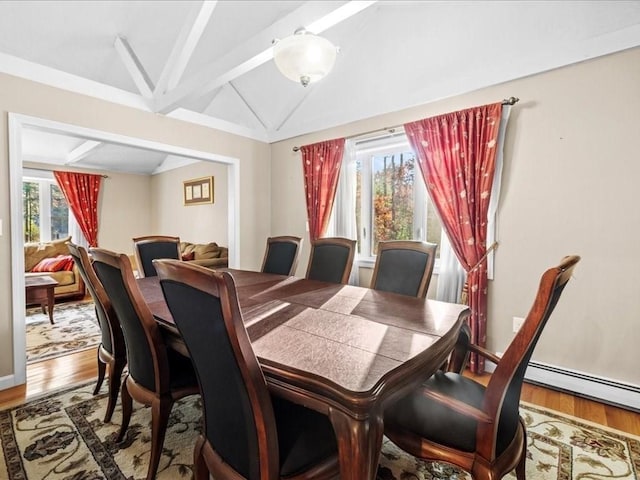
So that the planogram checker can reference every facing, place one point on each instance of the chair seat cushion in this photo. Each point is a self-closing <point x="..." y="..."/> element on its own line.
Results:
<point x="305" y="437"/>
<point x="432" y="420"/>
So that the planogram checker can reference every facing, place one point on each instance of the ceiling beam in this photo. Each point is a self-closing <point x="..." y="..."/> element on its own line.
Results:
<point x="185" y="45"/>
<point x="134" y="67"/>
<point x="338" y="15"/>
<point x="212" y="99"/>
<point x="81" y="151"/>
<point x="171" y="100"/>
<point x="316" y="16"/>
<point x="255" y="114"/>
<point x="295" y="105"/>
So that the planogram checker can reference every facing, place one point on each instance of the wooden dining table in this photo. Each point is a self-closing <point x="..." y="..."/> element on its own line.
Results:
<point x="342" y="350"/>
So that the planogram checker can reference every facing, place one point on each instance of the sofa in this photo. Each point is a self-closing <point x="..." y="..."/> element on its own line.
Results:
<point x="53" y="259"/>
<point x="209" y="255"/>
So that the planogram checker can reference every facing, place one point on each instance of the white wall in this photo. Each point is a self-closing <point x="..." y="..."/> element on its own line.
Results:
<point x="569" y="187"/>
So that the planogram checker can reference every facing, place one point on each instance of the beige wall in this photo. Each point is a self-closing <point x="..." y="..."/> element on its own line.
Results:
<point x="194" y="223"/>
<point x="569" y="187"/>
<point x="30" y="98"/>
<point x="125" y="203"/>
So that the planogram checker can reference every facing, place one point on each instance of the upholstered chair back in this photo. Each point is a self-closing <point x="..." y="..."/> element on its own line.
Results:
<point x="331" y="259"/>
<point x="155" y="246"/>
<point x="404" y="267"/>
<point x="141" y="333"/>
<point x="281" y="256"/>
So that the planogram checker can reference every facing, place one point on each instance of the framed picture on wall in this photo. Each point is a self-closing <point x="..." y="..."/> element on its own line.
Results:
<point x="198" y="191"/>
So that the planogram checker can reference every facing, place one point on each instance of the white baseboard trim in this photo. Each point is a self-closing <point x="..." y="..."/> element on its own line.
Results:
<point x="7" y="381"/>
<point x="582" y="384"/>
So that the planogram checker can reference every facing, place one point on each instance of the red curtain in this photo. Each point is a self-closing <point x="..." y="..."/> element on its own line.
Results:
<point x="456" y="153"/>
<point x="81" y="191"/>
<point x="321" y="166"/>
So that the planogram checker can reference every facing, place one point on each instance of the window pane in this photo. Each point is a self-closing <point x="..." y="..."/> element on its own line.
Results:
<point x="393" y="193"/>
<point x="31" y="209"/>
<point x="434" y="228"/>
<point x="391" y="198"/>
<point x="59" y="214"/>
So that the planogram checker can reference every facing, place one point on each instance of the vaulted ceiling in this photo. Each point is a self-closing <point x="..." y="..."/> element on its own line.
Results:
<point x="211" y="62"/>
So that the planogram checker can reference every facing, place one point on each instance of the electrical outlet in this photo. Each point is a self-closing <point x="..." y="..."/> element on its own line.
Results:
<point x="517" y="323"/>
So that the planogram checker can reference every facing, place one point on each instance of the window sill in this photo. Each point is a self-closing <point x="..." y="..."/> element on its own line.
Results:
<point x="370" y="262"/>
<point x="366" y="262"/>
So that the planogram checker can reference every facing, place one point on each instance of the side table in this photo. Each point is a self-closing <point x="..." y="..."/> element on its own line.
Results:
<point x="39" y="290"/>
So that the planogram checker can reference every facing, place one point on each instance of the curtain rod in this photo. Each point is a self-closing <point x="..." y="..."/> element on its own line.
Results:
<point x="506" y="101"/>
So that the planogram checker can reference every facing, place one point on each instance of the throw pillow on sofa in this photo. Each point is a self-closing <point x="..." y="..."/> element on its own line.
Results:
<point x="55" y="264"/>
<point x="35" y="252"/>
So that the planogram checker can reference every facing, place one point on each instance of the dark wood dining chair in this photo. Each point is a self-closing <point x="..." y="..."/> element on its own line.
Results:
<point x="157" y="375"/>
<point x="404" y="267"/>
<point x="331" y="259"/>
<point x="281" y="255"/>
<point x="148" y="248"/>
<point x="454" y="419"/>
<point x="248" y="433"/>
<point x="111" y="351"/>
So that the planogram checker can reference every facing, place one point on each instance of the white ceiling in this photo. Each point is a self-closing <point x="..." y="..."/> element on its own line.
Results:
<point x="211" y="63"/>
<point x="52" y="148"/>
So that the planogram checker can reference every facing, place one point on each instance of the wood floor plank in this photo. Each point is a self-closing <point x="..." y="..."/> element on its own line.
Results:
<point x="621" y="419"/>
<point x="588" y="409"/>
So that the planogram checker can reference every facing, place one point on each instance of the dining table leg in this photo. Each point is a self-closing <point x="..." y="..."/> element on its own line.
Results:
<point x="359" y="444"/>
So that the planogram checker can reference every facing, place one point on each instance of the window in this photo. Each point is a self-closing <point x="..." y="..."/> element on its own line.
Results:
<point x="391" y="198"/>
<point x="45" y="210"/>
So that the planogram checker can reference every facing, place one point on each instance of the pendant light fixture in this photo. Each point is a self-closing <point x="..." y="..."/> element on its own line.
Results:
<point x="304" y="57"/>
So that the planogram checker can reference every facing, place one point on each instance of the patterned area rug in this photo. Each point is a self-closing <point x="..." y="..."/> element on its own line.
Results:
<point x="62" y="436"/>
<point x="75" y="328"/>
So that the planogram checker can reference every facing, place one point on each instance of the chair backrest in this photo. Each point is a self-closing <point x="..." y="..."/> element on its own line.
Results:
<point x="146" y="352"/>
<point x="281" y="255"/>
<point x="331" y="259"/>
<point x="502" y="398"/>
<point x="154" y="246"/>
<point x="111" y="333"/>
<point x="404" y="267"/>
<point x="238" y="415"/>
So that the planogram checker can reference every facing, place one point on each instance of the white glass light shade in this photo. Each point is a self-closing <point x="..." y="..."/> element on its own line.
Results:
<point x="304" y="57"/>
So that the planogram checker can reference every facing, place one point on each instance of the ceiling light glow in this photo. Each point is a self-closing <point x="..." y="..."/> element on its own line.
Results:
<point x="304" y="57"/>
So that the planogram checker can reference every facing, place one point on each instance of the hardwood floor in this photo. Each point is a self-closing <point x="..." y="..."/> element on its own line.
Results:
<point x="50" y="375"/>
<point x="596" y="412"/>
<point x="79" y="367"/>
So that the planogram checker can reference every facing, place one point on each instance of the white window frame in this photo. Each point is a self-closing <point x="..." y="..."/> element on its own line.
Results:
<point x="386" y="145"/>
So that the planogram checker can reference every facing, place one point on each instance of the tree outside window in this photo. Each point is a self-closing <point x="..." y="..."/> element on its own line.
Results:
<point x="45" y="211"/>
<point x="31" y="211"/>
<point x="391" y="199"/>
<point x="393" y="194"/>
<point x="59" y="214"/>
